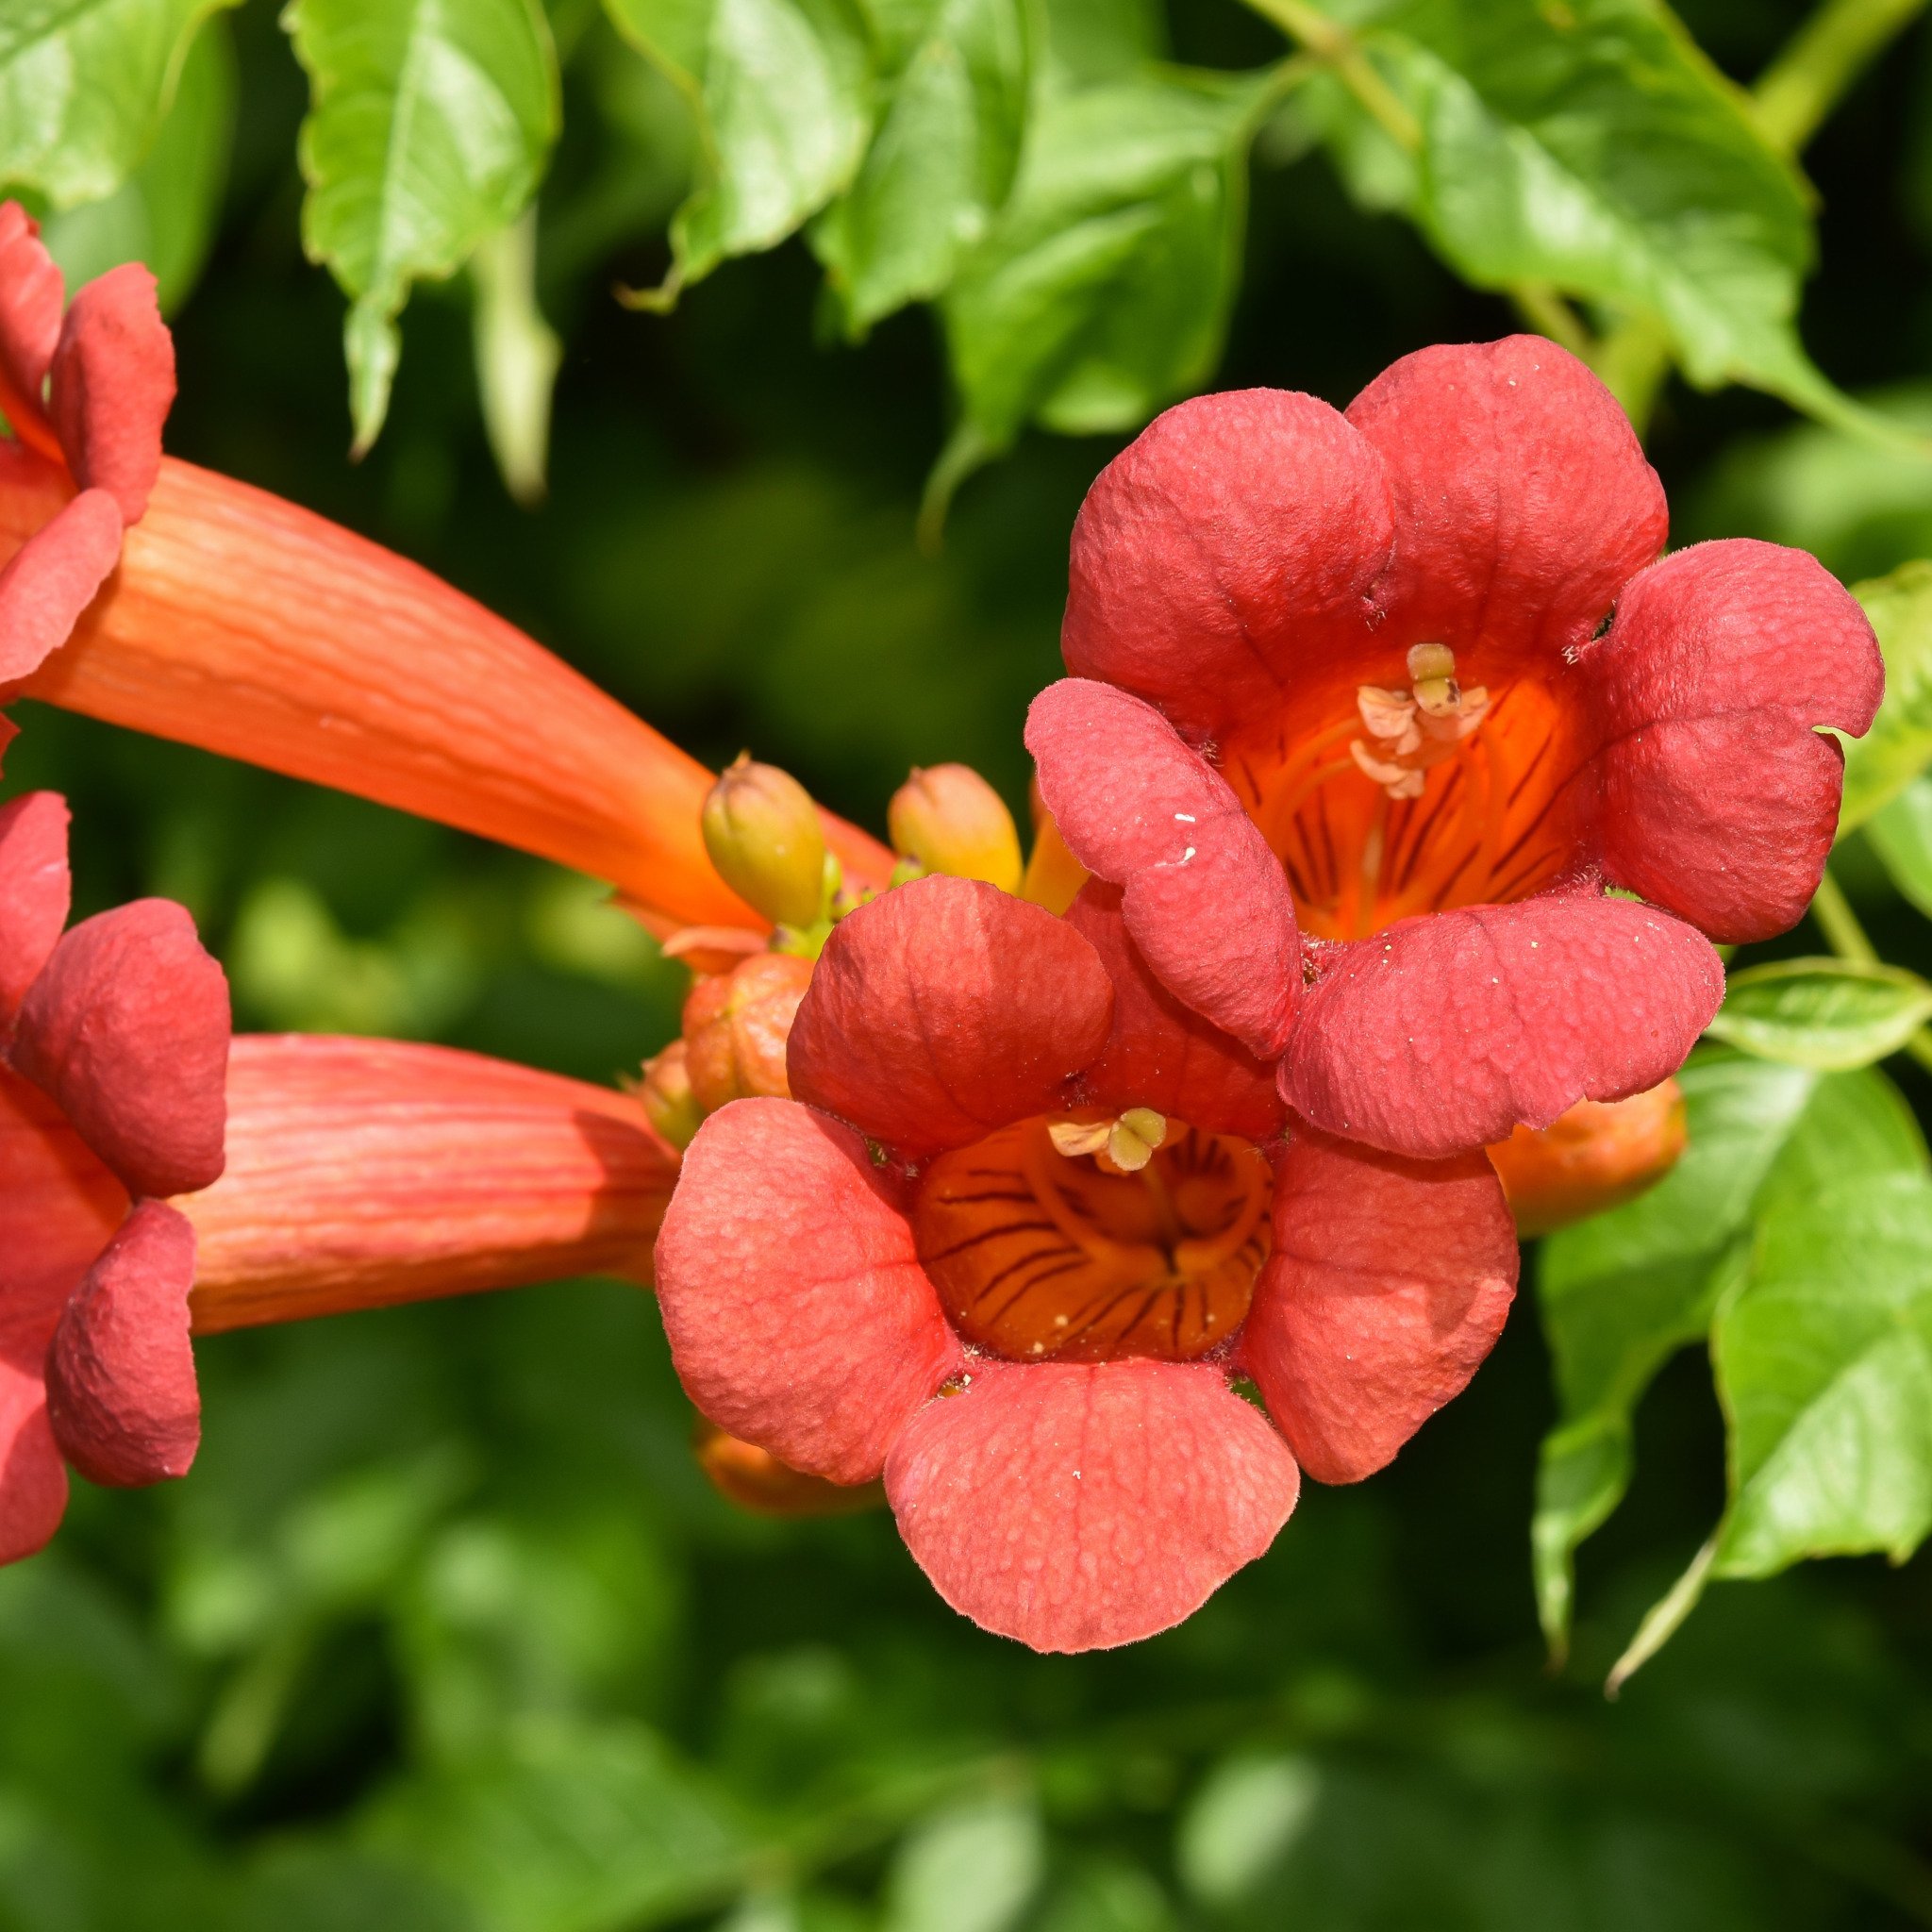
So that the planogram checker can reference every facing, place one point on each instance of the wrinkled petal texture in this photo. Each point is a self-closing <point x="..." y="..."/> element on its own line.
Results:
<point x="127" y="1030"/>
<point x="798" y="1315"/>
<point x="1440" y="1034"/>
<point x="1523" y="500"/>
<point x="1719" y="798"/>
<point x="1231" y="544"/>
<point x="1389" y="1282"/>
<point x="31" y="295"/>
<point x="1078" y="1505"/>
<point x="113" y="383"/>
<point x="1203" y="899"/>
<point x="53" y="577"/>
<point x="58" y="1209"/>
<point x="34" y="893"/>
<point x="1160" y="1053"/>
<point x="121" y="1391"/>
<point x="944" y="1010"/>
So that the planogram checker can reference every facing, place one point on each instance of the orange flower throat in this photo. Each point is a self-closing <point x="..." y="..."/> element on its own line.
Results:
<point x="1391" y="801"/>
<point x="1039" y="1253"/>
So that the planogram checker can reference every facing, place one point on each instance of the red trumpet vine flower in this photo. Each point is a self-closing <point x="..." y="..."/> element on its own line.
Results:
<point x="240" y="622"/>
<point x="1368" y="712"/>
<point x="116" y="1038"/>
<point x="1024" y="1224"/>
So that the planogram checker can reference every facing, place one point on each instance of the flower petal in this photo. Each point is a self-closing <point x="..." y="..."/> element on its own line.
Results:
<point x="1160" y="1053"/>
<point x="1440" y="1033"/>
<point x="121" y="1391"/>
<point x="1077" y="1506"/>
<point x="113" y="383"/>
<point x="34" y="892"/>
<point x="1226" y="553"/>
<point x="52" y="578"/>
<point x="944" y="1010"/>
<point x="1523" y="500"/>
<point x="366" y="1172"/>
<point x="1205" y="900"/>
<point x="1388" y="1283"/>
<point x="244" y="625"/>
<point x="58" y="1209"/>
<point x="1720" y="798"/>
<point x="33" y="1480"/>
<point x="127" y="1030"/>
<point x="31" y="295"/>
<point x="798" y="1314"/>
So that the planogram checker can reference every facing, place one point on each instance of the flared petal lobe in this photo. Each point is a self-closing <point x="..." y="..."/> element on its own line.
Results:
<point x="1388" y="1283"/>
<point x="366" y="1172"/>
<point x="1228" y="552"/>
<point x="1160" y="1053"/>
<point x="1442" y="1033"/>
<point x="31" y="295"/>
<point x="944" y="1010"/>
<point x="58" y="1207"/>
<point x="113" y="384"/>
<point x="33" y="1479"/>
<point x="1719" y="795"/>
<point x="128" y="1029"/>
<point x="1522" y="502"/>
<point x="1080" y="1506"/>
<point x="798" y="1315"/>
<point x="53" y="577"/>
<point x="1205" y="900"/>
<point x="34" y="893"/>
<point x="121" y="1391"/>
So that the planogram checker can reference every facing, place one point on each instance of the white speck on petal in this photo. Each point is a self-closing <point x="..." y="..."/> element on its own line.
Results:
<point x="1186" y="818"/>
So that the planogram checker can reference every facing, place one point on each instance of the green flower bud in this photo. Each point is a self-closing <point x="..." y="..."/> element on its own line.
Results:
<point x="762" y="832"/>
<point x="666" y="1096"/>
<point x="950" y="820"/>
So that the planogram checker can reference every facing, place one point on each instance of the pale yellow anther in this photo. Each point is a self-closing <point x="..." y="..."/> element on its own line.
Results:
<point x="1123" y="1145"/>
<point x="1409" y="731"/>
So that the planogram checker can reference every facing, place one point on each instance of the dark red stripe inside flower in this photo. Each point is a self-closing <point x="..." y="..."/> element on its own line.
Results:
<point x="1024" y="1224"/>
<point x="1384" y="702"/>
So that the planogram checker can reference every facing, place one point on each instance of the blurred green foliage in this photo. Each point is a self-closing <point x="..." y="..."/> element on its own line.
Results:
<point x="445" y="1631"/>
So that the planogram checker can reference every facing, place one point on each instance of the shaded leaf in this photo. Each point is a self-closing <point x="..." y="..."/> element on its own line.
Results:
<point x="427" y="130"/>
<point x="1622" y="1293"/>
<point x="1242" y="1823"/>
<point x="1826" y="1013"/>
<point x="517" y="355"/>
<point x="84" y="86"/>
<point x="942" y="159"/>
<point x="1900" y="834"/>
<point x="1899" y="744"/>
<point x="781" y="92"/>
<point x="971" y="1868"/>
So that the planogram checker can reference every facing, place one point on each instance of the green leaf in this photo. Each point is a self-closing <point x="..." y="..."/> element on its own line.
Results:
<point x="1900" y="834"/>
<point x="1104" y="290"/>
<point x="1826" y="1013"/>
<point x="1622" y="1293"/>
<point x="781" y="89"/>
<point x="164" y="212"/>
<point x="1825" y="1365"/>
<point x="1590" y="147"/>
<point x="1899" y="744"/>
<point x="517" y="355"/>
<point x="1246" y="1818"/>
<point x="941" y="161"/>
<point x="428" y="126"/>
<point x="971" y="1868"/>
<point x="84" y="86"/>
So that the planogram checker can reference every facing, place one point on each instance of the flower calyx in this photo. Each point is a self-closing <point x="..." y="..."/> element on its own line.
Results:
<point x="1407" y="731"/>
<point x="736" y="1026"/>
<point x="666" y="1096"/>
<point x="948" y="819"/>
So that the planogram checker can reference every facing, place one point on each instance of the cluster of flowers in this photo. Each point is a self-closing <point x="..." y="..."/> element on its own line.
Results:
<point x="1083" y="1204"/>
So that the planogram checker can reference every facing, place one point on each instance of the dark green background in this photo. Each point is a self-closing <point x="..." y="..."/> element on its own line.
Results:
<point x="445" y="1630"/>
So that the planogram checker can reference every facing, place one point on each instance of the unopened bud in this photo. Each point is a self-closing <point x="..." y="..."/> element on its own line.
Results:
<point x="1597" y="1155"/>
<point x="762" y="832"/>
<point x="669" y="1104"/>
<point x="754" y="1480"/>
<point x="736" y="1028"/>
<point x="1053" y="875"/>
<point x="950" y="820"/>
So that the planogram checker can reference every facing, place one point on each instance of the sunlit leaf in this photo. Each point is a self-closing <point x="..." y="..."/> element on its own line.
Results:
<point x="1900" y="834"/>
<point x="781" y="91"/>
<point x="972" y="1867"/>
<point x="1622" y="1293"/>
<point x="1243" y="1822"/>
<point x="942" y="161"/>
<point x="1899" y="744"/>
<point x="1826" y="1013"/>
<point x="84" y="85"/>
<point x="427" y="130"/>
<point x="517" y="353"/>
<point x="164" y="212"/>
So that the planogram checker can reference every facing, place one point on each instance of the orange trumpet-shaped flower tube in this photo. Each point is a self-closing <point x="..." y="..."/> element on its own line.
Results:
<point x="247" y="626"/>
<point x="1597" y="1155"/>
<point x="366" y="1173"/>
